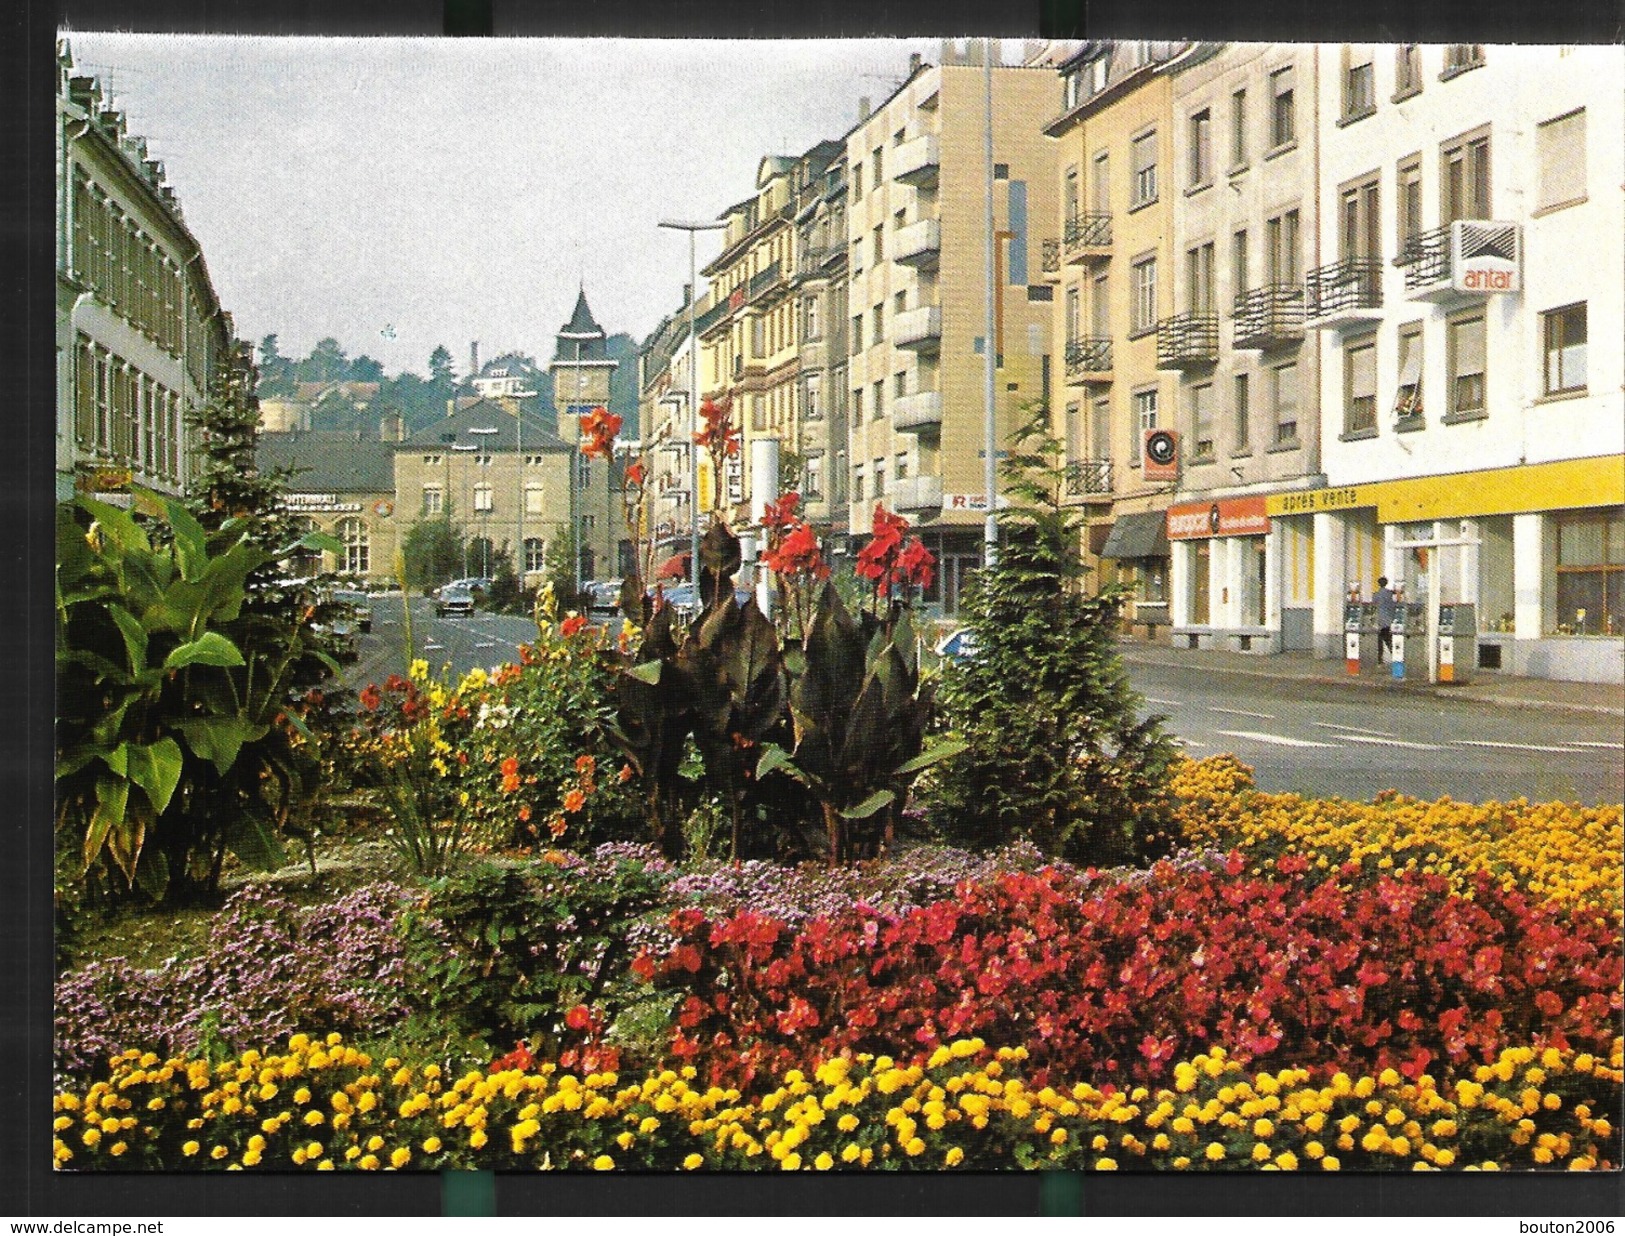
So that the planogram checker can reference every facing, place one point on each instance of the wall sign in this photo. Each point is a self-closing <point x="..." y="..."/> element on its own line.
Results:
<point x="1191" y="521"/>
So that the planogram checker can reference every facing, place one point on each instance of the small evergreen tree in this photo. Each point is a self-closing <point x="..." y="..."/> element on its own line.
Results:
<point x="506" y="595"/>
<point x="1057" y="752"/>
<point x="433" y="552"/>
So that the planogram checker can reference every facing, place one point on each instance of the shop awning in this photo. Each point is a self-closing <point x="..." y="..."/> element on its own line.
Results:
<point x="675" y="567"/>
<point x="1141" y="535"/>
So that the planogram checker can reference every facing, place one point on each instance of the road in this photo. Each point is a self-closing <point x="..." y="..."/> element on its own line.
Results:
<point x="1350" y="741"/>
<point x="1312" y="738"/>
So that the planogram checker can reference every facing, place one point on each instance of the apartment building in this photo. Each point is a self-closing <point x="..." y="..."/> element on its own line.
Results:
<point x="141" y="338"/>
<point x="1471" y="230"/>
<point x="1245" y="225"/>
<point x="917" y="314"/>
<point x="666" y="435"/>
<point x="820" y="323"/>
<point x="1111" y="265"/>
<point x="750" y="345"/>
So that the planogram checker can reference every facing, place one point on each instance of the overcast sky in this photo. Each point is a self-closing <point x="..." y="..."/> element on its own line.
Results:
<point x="454" y="190"/>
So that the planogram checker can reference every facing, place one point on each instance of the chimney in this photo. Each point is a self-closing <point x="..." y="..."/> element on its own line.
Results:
<point x="913" y="64"/>
<point x="688" y="292"/>
<point x="863" y="109"/>
<point x="474" y="359"/>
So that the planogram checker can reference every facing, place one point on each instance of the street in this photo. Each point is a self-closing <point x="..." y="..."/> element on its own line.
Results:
<point x="1312" y="738"/>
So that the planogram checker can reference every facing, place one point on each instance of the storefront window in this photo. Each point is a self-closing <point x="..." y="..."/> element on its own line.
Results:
<point x="1201" y="555"/>
<point x="1590" y="571"/>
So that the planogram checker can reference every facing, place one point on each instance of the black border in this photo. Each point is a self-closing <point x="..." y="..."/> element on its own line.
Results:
<point x="29" y="1187"/>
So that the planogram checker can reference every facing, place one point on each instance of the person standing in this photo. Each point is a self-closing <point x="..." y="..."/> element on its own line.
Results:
<point x="1387" y="607"/>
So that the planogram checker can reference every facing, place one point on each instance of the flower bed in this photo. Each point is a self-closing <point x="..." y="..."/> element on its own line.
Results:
<point x="322" y="1105"/>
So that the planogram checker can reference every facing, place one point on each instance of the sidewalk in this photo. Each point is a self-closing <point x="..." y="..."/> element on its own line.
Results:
<point x="1495" y="688"/>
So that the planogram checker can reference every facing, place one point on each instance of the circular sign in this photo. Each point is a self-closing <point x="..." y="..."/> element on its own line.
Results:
<point x="1161" y="446"/>
<point x="383" y="508"/>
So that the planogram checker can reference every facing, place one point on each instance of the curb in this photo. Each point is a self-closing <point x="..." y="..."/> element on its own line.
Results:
<point x="1458" y="694"/>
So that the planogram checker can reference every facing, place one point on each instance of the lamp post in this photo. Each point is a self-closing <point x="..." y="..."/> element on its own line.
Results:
<point x="691" y="227"/>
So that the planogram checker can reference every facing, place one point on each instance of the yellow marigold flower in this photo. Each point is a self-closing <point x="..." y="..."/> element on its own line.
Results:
<point x="477" y="1139"/>
<point x="1105" y="1165"/>
<point x="256" y="1142"/>
<point x="1160" y="1142"/>
<point x="1551" y="1102"/>
<point x="790" y="1162"/>
<point x="1261" y="1152"/>
<point x="693" y="1162"/>
<point x="1181" y="1162"/>
<point x="1263" y="1128"/>
<point x="1058" y="1137"/>
<point x="400" y="1157"/>
<point x="625" y="1140"/>
<point x="1445" y="1158"/>
<point x="603" y="1163"/>
<point x="851" y="1152"/>
<point x="369" y="1163"/>
<point x="1214" y="1152"/>
<point x="1330" y="1163"/>
<point x="219" y="1152"/>
<point x="91" y="1137"/>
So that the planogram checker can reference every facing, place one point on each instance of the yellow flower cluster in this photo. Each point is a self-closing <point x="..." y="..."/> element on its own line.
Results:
<point x="1561" y="852"/>
<point x="323" y="1105"/>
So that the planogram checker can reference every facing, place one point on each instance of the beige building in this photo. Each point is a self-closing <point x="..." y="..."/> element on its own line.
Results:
<point x="820" y="289"/>
<point x="344" y="485"/>
<point x="581" y="367"/>
<point x="917" y="296"/>
<point x="1246" y="399"/>
<point x="666" y="437"/>
<point x="1112" y="266"/>
<point x="141" y="338"/>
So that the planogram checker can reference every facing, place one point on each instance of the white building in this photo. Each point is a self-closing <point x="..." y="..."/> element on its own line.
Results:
<point x="1459" y="398"/>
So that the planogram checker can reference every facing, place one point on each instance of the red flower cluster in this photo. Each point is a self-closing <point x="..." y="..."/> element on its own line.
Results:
<point x="573" y="625"/>
<point x="598" y="430"/>
<point x="719" y="436"/>
<point x="889" y="560"/>
<point x="1115" y="982"/>
<point x="636" y="472"/>
<point x="792" y="545"/>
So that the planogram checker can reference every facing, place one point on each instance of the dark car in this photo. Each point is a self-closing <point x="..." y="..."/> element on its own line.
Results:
<point x="358" y="607"/>
<point x="603" y="596"/>
<point x="454" y="598"/>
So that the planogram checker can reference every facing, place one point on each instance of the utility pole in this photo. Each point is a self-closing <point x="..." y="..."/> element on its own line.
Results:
<point x="990" y="464"/>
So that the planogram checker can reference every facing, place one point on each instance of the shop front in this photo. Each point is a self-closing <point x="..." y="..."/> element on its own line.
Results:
<point x="1226" y="586"/>
<point x="1136" y="548"/>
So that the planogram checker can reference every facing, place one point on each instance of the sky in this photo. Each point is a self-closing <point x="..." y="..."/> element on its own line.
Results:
<point x="396" y="194"/>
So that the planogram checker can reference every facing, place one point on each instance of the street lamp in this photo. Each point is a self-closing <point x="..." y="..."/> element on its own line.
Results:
<point x="691" y="227"/>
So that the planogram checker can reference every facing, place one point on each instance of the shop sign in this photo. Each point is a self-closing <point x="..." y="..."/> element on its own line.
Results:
<point x="1309" y="501"/>
<point x="307" y="503"/>
<point x="104" y="480"/>
<point x="970" y="502"/>
<point x="1225" y="517"/>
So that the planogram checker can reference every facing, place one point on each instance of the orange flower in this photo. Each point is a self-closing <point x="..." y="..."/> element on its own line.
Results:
<point x="585" y="765"/>
<point x="557" y="826"/>
<point x="572" y="625"/>
<point x="625" y="774"/>
<point x="574" y="801"/>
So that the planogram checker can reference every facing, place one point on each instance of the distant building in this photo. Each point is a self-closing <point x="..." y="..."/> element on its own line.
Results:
<point x="581" y="369"/>
<point x="820" y="316"/>
<point x="140" y="334"/>
<point x="344" y="485"/>
<point x="511" y="376"/>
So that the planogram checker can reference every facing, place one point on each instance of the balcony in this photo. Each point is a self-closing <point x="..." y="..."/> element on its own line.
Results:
<point x="1087" y="237"/>
<point x="1187" y="340"/>
<point x="920" y="329"/>
<point x="1489" y="257"/>
<point x="1089" y="479"/>
<point x="916" y="162"/>
<point x="919" y="244"/>
<point x="1269" y="317"/>
<point x="1089" y="360"/>
<point x="764" y="281"/>
<point x="917" y="412"/>
<point x="1051" y="264"/>
<point x="1346" y="293"/>
<point x="916" y="493"/>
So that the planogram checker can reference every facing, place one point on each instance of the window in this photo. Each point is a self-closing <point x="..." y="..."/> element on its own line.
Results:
<point x="1074" y="315"/>
<point x="857" y="483"/>
<point x="535" y="554"/>
<point x="1071" y="195"/>
<point x="880" y="243"/>
<point x="1408" y="396"/>
<point x="583" y="472"/>
<point x="1243" y="414"/>
<point x="880" y="478"/>
<point x="857" y="403"/>
<point x="356" y="557"/>
<point x="1590" y="568"/>
<point x="1360" y="385"/>
<point x="433" y="500"/>
<point x="877" y="332"/>
<point x="810" y="320"/>
<point x="1201" y="148"/>
<point x="900" y="384"/>
<point x="758" y="337"/>
<point x="1145" y="417"/>
<point x="1460" y="57"/>
<point x="758" y="414"/>
<point x="1100" y="185"/>
<point x="879" y="410"/>
<point x="876" y="164"/>
<point x="1238" y="262"/>
<point x="533" y="499"/>
<point x="1285" y="255"/>
<point x="812" y="477"/>
<point x="1199" y="278"/>
<point x="838" y="477"/>
<point x="1100" y="429"/>
<point x="857" y="332"/>
<point x="1561" y="144"/>
<point x="482" y="498"/>
<point x="1359" y="83"/>
<point x="1202" y="421"/>
<point x="1409" y="204"/>
<point x="1466" y="178"/>
<point x="1101" y="307"/>
<point x="1284" y="400"/>
<point x="1238" y="130"/>
<point x="1466" y="365"/>
<point x="1145" y="170"/>
<point x="812" y="397"/>
<point x="900" y="468"/>
<point x="1407" y="71"/>
<point x="857" y="180"/>
<point x="1283" y="109"/>
<point x="1565" y="333"/>
<point x="1359" y="219"/>
<point x="1145" y="295"/>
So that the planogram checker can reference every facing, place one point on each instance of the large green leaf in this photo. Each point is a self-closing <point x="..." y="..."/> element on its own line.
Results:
<point x="870" y="805"/>
<point x="135" y="636"/>
<point x="156" y="768"/>
<point x="219" y="739"/>
<point x="112" y="796"/>
<point x="251" y="837"/>
<point x="648" y="672"/>
<point x="116" y="525"/>
<point x="152" y="874"/>
<point x="210" y="648"/>
<point x="191" y="542"/>
<point x="934" y="754"/>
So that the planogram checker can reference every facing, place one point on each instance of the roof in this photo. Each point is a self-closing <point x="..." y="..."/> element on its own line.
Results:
<point x="1143" y="534"/>
<point x="581" y="338"/>
<point x="486" y="414"/>
<point x="329" y="462"/>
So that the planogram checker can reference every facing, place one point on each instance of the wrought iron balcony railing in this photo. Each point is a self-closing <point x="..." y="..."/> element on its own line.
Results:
<point x="1089" y="477"/>
<point x="1086" y="356"/>
<point x="1087" y="233"/>
<point x="1342" y="287"/>
<point x="1052" y="257"/>
<point x="1425" y="258"/>
<point x="1270" y="316"/>
<point x="1187" y="339"/>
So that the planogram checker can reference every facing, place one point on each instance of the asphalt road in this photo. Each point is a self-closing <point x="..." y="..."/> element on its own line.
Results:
<point x="1312" y="738"/>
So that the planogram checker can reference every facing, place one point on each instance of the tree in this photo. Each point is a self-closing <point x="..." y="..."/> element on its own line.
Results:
<point x="1056" y="751"/>
<point x="432" y="552"/>
<point x="364" y="368"/>
<point x="440" y="372"/>
<point x="560" y="565"/>
<point x="276" y="370"/>
<point x="506" y="595"/>
<point x="326" y="362"/>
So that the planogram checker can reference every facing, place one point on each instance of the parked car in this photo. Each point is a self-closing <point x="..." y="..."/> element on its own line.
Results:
<point x="454" y="598"/>
<point x="957" y="645"/>
<point x="354" y="607"/>
<point x="474" y="583"/>
<point x="685" y="599"/>
<point x="603" y="596"/>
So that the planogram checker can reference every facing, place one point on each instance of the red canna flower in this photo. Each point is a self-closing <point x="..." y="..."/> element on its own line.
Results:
<point x="370" y="698"/>
<point x="635" y="473"/>
<point x="598" y="430"/>
<point x="573" y="625"/>
<point x="781" y="514"/>
<point x="719" y="436"/>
